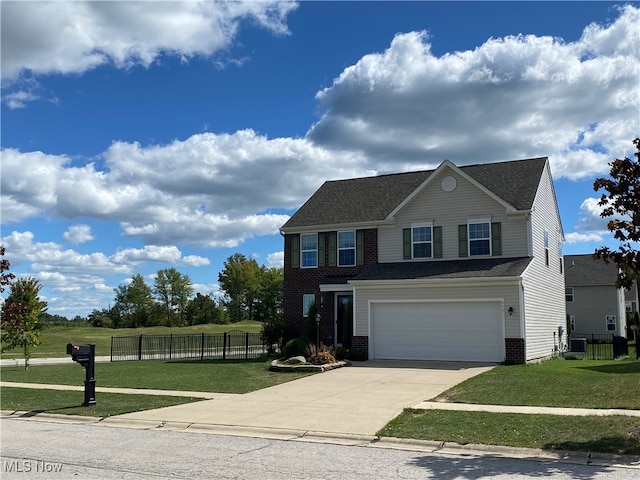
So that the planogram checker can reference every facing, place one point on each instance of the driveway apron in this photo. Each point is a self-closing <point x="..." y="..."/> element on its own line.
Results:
<point x="359" y="399"/>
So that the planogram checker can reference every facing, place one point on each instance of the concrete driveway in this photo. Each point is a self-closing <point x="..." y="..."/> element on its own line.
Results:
<point x="355" y="400"/>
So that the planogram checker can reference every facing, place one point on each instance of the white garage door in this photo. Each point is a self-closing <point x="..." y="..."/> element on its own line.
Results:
<point x="456" y="331"/>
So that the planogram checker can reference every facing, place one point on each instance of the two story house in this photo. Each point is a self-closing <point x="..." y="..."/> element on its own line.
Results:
<point x="594" y="304"/>
<point x="457" y="263"/>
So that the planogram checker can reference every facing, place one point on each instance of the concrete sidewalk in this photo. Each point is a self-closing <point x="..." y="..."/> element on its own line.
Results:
<point x="19" y="362"/>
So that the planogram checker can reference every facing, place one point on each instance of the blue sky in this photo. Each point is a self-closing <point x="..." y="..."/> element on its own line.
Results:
<point x="148" y="135"/>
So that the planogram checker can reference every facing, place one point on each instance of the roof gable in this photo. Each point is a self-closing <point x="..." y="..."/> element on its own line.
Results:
<point x="374" y="199"/>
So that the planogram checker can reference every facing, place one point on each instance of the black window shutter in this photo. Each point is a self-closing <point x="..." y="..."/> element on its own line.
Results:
<point x="406" y="243"/>
<point x="295" y="251"/>
<point x="359" y="247"/>
<point x="437" y="242"/>
<point x="333" y="249"/>
<point x="321" y="254"/>
<point x="496" y="238"/>
<point x="462" y="241"/>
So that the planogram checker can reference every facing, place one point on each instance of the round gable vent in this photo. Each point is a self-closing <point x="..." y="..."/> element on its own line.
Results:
<point x="449" y="184"/>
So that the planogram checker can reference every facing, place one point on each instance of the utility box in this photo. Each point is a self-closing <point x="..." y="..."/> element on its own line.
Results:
<point x="85" y="355"/>
<point x="578" y="345"/>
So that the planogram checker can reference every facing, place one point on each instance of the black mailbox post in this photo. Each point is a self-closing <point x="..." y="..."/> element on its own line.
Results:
<point x="85" y="355"/>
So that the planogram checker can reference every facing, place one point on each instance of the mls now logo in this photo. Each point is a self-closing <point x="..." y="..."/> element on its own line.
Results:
<point x="30" y="466"/>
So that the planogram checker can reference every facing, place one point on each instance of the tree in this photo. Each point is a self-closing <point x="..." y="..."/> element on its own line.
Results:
<point x="270" y="293"/>
<point x="5" y="278"/>
<point x="239" y="282"/>
<point x="203" y="309"/>
<point x="622" y="202"/>
<point x="173" y="291"/>
<point x="21" y="313"/>
<point x="134" y="303"/>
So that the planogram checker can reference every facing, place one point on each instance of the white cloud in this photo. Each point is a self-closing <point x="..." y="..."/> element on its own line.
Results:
<point x="77" y="234"/>
<point x="73" y="37"/>
<point x="275" y="259"/>
<point x="195" y="191"/>
<point x="510" y="98"/>
<point x="576" y="237"/>
<point x="18" y="99"/>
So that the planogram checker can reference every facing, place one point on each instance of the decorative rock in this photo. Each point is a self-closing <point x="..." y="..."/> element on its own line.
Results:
<point x="295" y="360"/>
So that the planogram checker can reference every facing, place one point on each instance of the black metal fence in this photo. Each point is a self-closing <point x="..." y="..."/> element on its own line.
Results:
<point x="604" y="346"/>
<point x="234" y="345"/>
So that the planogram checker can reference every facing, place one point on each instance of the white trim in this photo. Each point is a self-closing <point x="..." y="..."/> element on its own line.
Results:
<point x="336" y="287"/>
<point x="431" y="242"/>
<point x="404" y="283"/>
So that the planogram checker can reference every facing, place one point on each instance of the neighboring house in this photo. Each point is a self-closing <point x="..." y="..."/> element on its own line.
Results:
<point x="456" y="263"/>
<point x="594" y="304"/>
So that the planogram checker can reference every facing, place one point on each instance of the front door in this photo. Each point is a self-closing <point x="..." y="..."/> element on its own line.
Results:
<point x="344" y="319"/>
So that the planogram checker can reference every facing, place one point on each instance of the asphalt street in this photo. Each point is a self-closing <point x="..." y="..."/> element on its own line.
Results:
<point x="33" y="448"/>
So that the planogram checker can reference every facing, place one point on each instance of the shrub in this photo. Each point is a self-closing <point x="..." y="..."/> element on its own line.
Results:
<point x="296" y="347"/>
<point x="356" y="355"/>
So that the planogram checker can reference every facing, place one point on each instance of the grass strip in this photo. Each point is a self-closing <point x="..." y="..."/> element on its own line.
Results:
<point x="554" y="383"/>
<point x="70" y="402"/>
<point x="222" y="376"/>
<point x="612" y="434"/>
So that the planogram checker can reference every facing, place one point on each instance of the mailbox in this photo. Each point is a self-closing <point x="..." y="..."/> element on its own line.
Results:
<point x="85" y="355"/>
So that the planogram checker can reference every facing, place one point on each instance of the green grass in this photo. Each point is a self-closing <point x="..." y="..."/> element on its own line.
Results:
<point x="55" y="337"/>
<point x="614" y="434"/>
<point x="70" y="403"/>
<point x="222" y="376"/>
<point x="554" y="383"/>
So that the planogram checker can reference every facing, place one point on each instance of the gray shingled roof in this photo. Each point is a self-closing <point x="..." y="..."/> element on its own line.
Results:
<point x="371" y="199"/>
<point x="476" y="268"/>
<point x="583" y="270"/>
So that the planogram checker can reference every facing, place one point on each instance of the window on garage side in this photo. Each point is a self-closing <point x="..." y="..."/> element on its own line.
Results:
<point x="421" y="241"/>
<point x="479" y="238"/>
<point x="309" y="250"/>
<point x="572" y="322"/>
<point x="546" y="248"/>
<point x="346" y="248"/>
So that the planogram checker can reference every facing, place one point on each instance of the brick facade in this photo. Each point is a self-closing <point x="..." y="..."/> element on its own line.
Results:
<point x="301" y="281"/>
<point x="515" y="350"/>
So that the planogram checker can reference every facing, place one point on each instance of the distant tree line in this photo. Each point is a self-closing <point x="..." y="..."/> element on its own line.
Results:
<point x="250" y="292"/>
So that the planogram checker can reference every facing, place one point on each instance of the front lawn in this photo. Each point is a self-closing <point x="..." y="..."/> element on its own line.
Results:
<point x="66" y="402"/>
<point x="614" y="434"/>
<point x="554" y="383"/>
<point x="222" y="376"/>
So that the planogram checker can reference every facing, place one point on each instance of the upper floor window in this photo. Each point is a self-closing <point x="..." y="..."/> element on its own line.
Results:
<point x="568" y="294"/>
<point x="422" y="241"/>
<point x="546" y="248"/>
<point x="346" y="248"/>
<point x="309" y="250"/>
<point x="479" y="238"/>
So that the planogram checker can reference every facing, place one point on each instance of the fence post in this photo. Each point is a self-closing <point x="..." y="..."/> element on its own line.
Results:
<point x="224" y="346"/>
<point x="246" y="346"/>
<point x="170" y="345"/>
<point x="140" y="347"/>
<point x="202" y="347"/>
<point x="111" y="353"/>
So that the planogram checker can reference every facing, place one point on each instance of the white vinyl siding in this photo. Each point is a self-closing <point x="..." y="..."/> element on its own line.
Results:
<point x="544" y="289"/>
<point x="450" y="209"/>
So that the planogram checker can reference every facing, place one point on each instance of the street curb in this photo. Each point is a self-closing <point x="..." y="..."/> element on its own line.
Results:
<point x="368" y="441"/>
